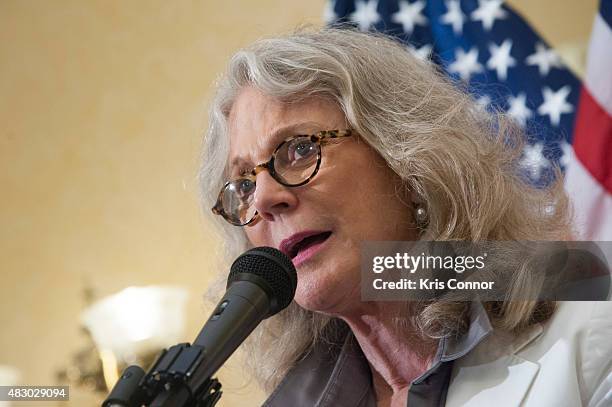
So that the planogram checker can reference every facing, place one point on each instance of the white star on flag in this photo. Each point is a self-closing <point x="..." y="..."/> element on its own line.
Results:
<point x="466" y="64"/>
<point x="365" y="14"/>
<point x="487" y="12"/>
<point x="500" y="58"/>
<point x="555" y="104"/>
<point x="329" y="16"/>
<point x="534" y="161"/>
<point x="423" y="53"/>
<point x="544" y="58"/>
<point x="410" y="15"/>
<point x="518" y="109"/>
<point x="454" y="16"/>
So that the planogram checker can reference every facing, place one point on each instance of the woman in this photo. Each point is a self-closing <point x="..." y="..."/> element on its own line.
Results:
<point x="335" y="137"/>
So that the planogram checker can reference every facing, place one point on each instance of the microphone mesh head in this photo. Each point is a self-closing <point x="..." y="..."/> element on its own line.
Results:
<point x="272" y="266"/>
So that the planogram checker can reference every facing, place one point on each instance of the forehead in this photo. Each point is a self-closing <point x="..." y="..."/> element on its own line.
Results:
<point x="258" y="122"/>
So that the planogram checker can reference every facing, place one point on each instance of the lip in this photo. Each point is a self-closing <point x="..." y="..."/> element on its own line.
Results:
<point x="286" y="246"/>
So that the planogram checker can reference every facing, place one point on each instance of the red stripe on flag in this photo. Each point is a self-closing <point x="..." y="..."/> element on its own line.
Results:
<point x="593" y="139"/>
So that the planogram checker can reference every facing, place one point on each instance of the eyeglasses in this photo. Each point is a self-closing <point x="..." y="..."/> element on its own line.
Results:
<point x="293" y="163"/>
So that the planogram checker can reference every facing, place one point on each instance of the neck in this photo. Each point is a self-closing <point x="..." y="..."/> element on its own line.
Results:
<point x="397" y="354"/>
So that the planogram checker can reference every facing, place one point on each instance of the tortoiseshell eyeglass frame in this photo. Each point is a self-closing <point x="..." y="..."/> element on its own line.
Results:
<point x="317" y="138"/>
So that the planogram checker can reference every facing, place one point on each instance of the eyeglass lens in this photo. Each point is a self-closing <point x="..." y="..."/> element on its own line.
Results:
<point x="295" y="161"/>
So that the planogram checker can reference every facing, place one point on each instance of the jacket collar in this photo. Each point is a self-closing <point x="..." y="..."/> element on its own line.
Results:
<point x="494" y="373"/>
<point x="339" y="375"/>
<point x="329" y="375"/>
<point x="454" y="347"/>
<point x="479" y="328"/>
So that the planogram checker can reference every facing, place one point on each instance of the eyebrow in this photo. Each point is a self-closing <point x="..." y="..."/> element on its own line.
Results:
<point x="274" y="139"/>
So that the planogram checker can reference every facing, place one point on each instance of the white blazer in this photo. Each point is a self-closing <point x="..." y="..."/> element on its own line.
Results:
<point x="566" y="361"/>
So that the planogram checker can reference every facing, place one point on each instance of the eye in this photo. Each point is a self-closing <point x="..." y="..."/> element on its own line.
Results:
<point x="244" y="187"/>
<point x="300" y="149"/>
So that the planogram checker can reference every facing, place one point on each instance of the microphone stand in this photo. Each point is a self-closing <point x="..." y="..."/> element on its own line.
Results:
<point x="262" y="282"/>
<point x="173" y="381"/>
<point x="182" y="375"/>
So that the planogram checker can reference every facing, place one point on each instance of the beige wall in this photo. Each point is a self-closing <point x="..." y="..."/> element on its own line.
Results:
<point x="102" y="108"/>
<point x="102" y="104"/>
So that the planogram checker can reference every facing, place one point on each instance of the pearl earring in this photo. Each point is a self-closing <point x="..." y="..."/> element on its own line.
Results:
<point x="421" y="217"/>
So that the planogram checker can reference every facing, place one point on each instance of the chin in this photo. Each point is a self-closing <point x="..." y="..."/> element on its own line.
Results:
<point x="330" y="287"/>
<point x="328" y="299"/>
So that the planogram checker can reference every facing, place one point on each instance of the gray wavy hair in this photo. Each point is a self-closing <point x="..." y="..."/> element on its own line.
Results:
<point x="457" y="160"/>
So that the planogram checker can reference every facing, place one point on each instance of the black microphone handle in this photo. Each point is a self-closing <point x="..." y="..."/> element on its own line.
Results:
<point x="244" y="305"/>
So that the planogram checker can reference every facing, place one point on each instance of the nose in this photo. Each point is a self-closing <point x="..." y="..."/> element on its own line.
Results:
<point x="271" y="198"/>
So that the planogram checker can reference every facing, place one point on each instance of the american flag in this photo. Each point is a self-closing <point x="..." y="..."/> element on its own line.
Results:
<point x="589" y="173"/>
<point x="508" y="67"/>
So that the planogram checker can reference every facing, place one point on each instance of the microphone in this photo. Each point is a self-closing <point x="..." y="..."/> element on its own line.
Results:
<point x="261" y="283"/>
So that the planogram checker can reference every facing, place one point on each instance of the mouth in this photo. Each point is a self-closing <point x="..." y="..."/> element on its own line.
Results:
<point x="302" y="245"/>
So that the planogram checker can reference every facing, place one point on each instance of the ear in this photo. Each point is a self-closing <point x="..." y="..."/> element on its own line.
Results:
<point x="404" y="193"/>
